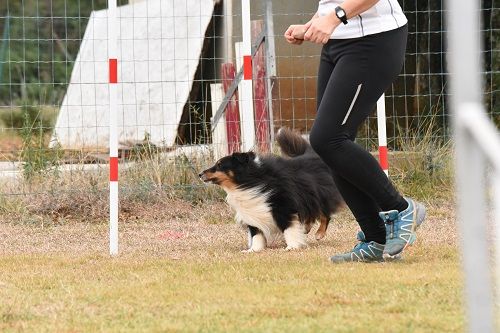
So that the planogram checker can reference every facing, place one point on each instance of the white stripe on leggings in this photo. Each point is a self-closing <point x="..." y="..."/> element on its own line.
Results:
<point x="352" y="104"/>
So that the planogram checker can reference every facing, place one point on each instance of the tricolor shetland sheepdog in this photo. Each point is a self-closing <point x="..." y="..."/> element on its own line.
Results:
<point x="274" y="195"/>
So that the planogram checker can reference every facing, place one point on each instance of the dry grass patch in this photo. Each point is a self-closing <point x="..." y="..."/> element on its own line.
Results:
<point x="181" y="269"/>
<point x="275" y="291"/>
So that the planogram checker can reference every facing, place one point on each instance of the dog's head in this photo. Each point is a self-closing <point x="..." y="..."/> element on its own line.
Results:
<point x="226" y="171"/>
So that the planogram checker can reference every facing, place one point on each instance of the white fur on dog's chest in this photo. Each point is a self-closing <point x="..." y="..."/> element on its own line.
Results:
<point x="252" y="209"/>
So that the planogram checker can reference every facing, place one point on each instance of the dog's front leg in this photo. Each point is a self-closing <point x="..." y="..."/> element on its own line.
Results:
<point x="256" y="240"/>
<point x="295" y="236"/>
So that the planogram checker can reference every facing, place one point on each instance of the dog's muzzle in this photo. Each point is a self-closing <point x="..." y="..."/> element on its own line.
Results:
<point x="203" y="177"/>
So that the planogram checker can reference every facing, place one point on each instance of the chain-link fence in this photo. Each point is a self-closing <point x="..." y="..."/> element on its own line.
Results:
<point x="417" y="97"/>
<point x="178" y="60"/>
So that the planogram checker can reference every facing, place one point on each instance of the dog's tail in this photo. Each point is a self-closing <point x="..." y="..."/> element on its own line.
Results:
<point x="292" y="144"/>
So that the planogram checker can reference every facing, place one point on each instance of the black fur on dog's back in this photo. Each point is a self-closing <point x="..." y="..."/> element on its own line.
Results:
<point x="314" y="175"/>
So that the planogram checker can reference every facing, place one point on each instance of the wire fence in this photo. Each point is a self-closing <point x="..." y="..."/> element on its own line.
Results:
<point x="54" y="98"/>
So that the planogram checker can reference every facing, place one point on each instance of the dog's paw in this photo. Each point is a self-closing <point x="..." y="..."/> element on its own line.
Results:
<point x="251" y="250"/>
<point x="320" y="234"/>
<point x="293" y="248"/>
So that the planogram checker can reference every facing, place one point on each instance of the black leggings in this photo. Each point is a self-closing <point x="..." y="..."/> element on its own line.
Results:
<point x="353" y="74"/>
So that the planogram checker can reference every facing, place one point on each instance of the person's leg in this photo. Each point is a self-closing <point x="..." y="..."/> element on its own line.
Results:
<point x="364" y="69"/>
<point x="364" y="208"/>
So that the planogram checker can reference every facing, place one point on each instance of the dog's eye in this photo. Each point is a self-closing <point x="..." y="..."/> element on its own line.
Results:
<point x="218" y="165"/>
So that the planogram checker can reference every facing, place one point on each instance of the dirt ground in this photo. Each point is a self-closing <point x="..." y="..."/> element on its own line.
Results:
<point x="178" y="229"/>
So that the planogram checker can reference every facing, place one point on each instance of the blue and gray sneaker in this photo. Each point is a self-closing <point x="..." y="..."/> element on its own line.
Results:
<point x="400" y="228"/>
<point x="364" y="251"/>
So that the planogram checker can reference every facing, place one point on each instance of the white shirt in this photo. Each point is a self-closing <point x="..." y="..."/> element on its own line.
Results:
<point x="384" y="16"/>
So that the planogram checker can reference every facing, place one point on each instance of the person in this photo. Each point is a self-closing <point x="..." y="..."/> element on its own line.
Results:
<point x="364" y="44"/>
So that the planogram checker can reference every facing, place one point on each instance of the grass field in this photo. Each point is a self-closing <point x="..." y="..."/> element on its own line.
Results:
<point x="181" y="270"/>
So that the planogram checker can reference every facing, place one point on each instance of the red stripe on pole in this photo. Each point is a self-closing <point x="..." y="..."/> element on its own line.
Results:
<point x="113" y="169"/>
<point x="113" y="71"/>
<point x="382" y="153"/>
<point x="247" y="67"/>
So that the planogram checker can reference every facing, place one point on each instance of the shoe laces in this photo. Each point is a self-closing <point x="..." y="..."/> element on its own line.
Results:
<point x="391" y="228"/>
<point x="389" y="220"/>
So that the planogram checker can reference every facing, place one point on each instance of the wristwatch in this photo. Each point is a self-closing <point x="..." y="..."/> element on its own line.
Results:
<point x="340" y="12"/>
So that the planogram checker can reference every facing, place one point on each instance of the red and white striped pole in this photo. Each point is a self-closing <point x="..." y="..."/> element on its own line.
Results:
<point x="382" y="135"/>
<point x="246" y="85"/>
<point x="113" y="135"/>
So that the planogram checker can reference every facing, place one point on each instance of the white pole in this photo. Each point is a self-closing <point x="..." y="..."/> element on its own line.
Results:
<point x="228" y="30"/>
<point x="113" y="135"/>
<point x="270" y="65"/>
<point x="465" y="67"/>
<point x="219" y="130"/>
<point x="483" y="137"/>
<point x="246" y="91"/>
<point x="382" y="135"/>
<point x="496" y="206"/>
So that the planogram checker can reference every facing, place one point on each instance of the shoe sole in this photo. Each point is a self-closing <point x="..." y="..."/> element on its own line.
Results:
<point x="360" y="261"/>
<point x="418" y="219"/>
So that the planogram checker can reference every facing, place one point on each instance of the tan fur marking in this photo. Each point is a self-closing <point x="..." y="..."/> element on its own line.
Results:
<point x="224" y="180"/>
<point x="321" y="232"/>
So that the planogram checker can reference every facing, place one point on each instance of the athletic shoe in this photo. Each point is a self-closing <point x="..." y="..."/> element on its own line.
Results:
<point x="364" y="251"/>
<point x="400" y="228"/>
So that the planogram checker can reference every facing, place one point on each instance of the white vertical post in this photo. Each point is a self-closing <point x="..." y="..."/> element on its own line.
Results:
<point x="464" y="64"/>
<point x="113" y="135"/>
<point x="270" y="65"/>
<point x="246" y="87"/>
<point x="382" y="135"/>
<point x="479" y="142"/>
<point x="228" y="31"/>
<point x="472" y="222"/>
<point x="219" y="130"/>
<point x="496" y="216"/>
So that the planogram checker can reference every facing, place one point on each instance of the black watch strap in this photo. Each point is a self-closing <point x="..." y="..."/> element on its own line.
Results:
<point x="342" y="16"/>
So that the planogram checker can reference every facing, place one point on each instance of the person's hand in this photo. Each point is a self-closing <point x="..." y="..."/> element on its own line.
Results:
<point x="295" y="34"/>
<point x="320" y="29"/>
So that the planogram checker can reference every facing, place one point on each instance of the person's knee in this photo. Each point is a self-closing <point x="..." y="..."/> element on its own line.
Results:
<point x="326" y="142"/>
<point x="318" y="141"/>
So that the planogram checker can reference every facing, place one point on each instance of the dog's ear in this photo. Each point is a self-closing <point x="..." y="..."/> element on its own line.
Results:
<point x="242" y="158"/>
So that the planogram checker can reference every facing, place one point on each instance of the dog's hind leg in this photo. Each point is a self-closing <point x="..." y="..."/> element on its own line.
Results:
<point x="256" y="240"/>
<point x="321" y="232"/>
<point x="295" y="236"/>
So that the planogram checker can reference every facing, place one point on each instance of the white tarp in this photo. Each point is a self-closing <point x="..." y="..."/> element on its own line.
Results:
<point x="159" y="47"/>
